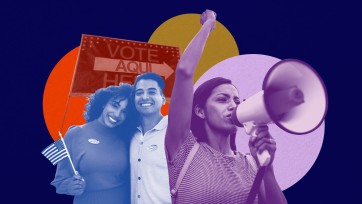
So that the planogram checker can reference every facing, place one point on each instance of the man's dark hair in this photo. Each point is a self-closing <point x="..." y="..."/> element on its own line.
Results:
<point x="152" y="76"/>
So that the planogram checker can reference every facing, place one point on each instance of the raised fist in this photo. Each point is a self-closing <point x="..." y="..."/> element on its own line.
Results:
<point x="208" y="15"/>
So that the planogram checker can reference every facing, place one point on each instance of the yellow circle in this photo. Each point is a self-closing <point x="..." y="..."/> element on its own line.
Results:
<point x="179" y="31"/>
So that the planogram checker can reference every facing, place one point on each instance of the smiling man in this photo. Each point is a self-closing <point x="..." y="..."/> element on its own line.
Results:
<point x="149" y="173"/>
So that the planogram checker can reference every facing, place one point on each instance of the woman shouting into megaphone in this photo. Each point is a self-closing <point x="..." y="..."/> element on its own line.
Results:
<point x="203" y="163"/>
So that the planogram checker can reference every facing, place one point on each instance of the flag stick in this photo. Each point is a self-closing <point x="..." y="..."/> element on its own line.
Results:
<point x="66" y="150"/>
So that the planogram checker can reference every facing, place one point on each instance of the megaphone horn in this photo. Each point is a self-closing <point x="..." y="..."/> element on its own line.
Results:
<point x="293" y="96"/>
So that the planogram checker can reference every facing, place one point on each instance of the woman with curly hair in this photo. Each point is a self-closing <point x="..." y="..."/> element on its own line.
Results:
<point x="100" y="150"/>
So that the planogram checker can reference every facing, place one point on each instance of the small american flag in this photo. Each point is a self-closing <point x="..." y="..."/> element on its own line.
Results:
<point x="55" y="152"/>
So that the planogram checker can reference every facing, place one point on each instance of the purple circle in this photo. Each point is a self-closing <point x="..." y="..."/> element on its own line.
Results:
<point x="295" y="154"/>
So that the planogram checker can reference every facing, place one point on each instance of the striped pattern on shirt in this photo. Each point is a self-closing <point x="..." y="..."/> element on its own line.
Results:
<point x="212" y="177"/>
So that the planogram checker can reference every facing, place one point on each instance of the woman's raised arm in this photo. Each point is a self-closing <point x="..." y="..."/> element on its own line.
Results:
<point x="180" y="109"/>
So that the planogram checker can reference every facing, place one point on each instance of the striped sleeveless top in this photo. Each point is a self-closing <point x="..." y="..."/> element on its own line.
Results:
<point x="212" y="177"/>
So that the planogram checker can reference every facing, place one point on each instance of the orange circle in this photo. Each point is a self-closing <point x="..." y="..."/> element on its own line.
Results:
<point x="56" y="95"/>
<point x="58" y="105"/>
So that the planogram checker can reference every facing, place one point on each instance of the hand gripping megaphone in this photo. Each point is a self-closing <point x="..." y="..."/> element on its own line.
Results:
<point x="293" y="97"/>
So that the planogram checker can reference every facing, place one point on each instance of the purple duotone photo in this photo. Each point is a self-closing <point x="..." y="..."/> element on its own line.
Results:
<point x="203" y="161"/>
<point x="299" y="132"/>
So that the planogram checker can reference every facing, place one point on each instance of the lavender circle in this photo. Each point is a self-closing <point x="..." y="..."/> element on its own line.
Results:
<point x="295" y="154"/>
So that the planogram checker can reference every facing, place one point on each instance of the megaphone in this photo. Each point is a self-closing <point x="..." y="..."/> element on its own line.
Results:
<point x="293" y="97"/>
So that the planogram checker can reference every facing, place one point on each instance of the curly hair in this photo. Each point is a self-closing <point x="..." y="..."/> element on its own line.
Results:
<point x="97" y="101"/>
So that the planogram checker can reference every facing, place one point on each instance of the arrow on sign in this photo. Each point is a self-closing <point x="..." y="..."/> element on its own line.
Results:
<point x="135" y="67"/>
<point x="162" y="69"/>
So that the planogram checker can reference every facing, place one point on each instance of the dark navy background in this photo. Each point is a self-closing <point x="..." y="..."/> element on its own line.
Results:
<point x="35" y="36"/>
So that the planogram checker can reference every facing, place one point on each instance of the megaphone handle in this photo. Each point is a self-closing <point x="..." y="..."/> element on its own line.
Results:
<point x="250" y="129"/>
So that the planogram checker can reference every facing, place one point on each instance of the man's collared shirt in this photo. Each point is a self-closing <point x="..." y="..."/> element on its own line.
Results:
<point x="149" y="172"/>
